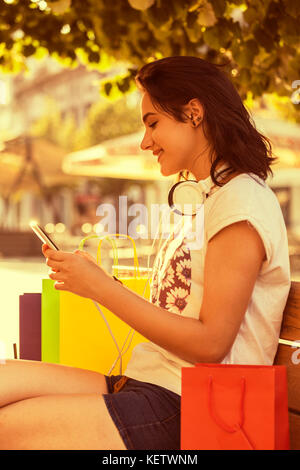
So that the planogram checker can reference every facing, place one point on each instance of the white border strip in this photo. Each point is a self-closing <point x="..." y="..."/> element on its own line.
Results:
<point x="294" y="344"/>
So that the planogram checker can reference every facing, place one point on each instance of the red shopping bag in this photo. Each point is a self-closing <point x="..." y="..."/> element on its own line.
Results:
<point x="234" y="407"/>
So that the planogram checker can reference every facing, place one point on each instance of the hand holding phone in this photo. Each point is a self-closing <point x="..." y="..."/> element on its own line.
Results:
<point x="43" y="236"/>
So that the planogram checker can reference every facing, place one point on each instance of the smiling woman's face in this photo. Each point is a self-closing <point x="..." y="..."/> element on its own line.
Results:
<point x="166" y="134"/>
<point x="180" y="142"/>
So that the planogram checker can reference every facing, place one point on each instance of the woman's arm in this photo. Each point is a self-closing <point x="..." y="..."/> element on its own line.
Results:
<point x="177" y="334"/>
<point x="233" y="260"/>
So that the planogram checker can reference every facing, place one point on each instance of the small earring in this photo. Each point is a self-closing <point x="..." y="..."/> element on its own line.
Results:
<point x="193" y="122"/>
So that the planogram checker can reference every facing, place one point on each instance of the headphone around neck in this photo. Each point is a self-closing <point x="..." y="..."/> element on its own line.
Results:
<point x="186" y="197"/>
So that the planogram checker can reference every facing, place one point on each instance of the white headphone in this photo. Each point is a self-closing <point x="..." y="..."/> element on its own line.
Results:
<point x="186" y="197"/>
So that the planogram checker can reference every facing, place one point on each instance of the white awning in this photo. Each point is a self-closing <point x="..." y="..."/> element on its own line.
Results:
<point x="122" y="157"/>
<point x="116" y="158"/>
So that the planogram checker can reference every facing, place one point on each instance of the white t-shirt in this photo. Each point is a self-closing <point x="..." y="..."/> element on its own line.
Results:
<point x="177" y="281"/>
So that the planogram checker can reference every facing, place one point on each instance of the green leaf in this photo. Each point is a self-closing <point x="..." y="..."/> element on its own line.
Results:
<point x="180" y="11"/>
<point x="193" y="28"/>
<point x="141" y="4"/>
<point x="206" y="15"/>
<point x="270" y="25"/>
<point x="295" y="63"/>
<point x="123" y="84"/>
<point x="250" y="15"/>
<point x="94" y="56"/>
<point x="212" y="39"/>
<point x="158" y="16"/>
<point x="194" y="5"/>
<point x="292" y="8"/>
<point x="260" y="84"/>
<point x="107" y="88"/>
<point x="191" y="19"/>
<point x="256" y="89"/>
<point x="264" y="39"/>
<point x="219" y="35"/>
<point x="234" y="27"/>
<point x="60" y="6"/>
<point x="219" y="7"/>
<point x="244" y="76"/>
<point x="244" y="55"/>
<point x="289" y="28"/>
<point x="28" y="50"/>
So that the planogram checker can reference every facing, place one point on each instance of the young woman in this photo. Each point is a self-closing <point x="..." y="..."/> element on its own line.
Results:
<point x="218" y="302"/>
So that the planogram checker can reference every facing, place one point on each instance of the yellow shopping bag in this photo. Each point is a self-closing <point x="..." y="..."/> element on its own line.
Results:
<point x="84" y="338"/>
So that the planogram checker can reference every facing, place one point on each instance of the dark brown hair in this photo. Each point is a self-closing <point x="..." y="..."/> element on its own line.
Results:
<point x="173" y="81"/>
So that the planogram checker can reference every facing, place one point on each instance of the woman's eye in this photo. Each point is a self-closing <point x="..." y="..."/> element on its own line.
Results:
<point x="153" y="125"/>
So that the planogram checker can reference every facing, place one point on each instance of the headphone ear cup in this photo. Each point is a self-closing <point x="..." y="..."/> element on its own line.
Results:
<point x="171" y="194"/>
<point x="185" y="197"/>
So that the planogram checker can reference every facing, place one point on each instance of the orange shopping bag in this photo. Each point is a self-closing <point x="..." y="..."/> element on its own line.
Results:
<point x="234" y="407"/>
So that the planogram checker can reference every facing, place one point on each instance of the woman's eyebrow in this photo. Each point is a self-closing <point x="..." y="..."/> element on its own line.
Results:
<point x="146" y="116"/>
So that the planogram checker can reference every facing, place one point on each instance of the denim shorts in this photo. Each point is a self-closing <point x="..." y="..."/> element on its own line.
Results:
<point x="147" y="416"/>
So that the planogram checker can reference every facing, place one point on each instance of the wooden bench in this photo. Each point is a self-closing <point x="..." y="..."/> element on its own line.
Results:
<point x="288" y="354"/>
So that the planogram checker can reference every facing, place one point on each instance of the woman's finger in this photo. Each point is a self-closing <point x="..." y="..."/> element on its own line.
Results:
<point x="56" y="265"/>
<point x="86" y="255"/>
<point x="56" y="276"/>
<point x="60" y="286"/>
<point x="44" y="248"/>
<point x="56" y="255"/>
<point x="53" y="270"/>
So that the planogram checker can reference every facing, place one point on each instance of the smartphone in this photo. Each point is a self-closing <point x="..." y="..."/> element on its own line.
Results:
<point x="43" y="236"/>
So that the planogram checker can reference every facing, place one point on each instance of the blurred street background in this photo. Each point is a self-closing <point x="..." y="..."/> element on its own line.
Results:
<point x="71" y="124"/>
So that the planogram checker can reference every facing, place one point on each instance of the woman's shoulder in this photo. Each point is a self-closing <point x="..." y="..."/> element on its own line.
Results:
<point x="244" y="197"/>
<point x="247" y="197"/>
<point x="246" y="180"/>
<point x="245" y="191"/>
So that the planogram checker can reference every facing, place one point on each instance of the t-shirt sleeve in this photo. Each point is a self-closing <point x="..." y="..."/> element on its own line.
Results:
<point x="241" y="203"/>
<point x="253" y="221"/>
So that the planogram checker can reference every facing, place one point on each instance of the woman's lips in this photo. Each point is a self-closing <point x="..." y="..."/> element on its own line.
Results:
<point x="160" y="154"/>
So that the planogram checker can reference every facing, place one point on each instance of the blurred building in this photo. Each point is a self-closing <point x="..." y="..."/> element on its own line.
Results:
<point x="74" y="91"/>
<point x="22" y="102"/>
<point x="285" y="139"/>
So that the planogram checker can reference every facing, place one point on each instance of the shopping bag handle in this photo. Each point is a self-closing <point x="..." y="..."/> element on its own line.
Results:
<point x="214" y="414"/>
<point x="219" y="421"/>
<point x="135" y="257"/>
<point x="115" y="253"/>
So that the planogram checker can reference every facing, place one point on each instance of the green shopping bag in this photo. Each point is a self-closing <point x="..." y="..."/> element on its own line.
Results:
<point x="50" y="308"/>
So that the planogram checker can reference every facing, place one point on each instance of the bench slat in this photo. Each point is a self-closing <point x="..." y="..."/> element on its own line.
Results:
<point x="285" y="357"/>
<point x="294" y="422"/>
<point x="291" y="316"/>
<point x="289" y="356"/>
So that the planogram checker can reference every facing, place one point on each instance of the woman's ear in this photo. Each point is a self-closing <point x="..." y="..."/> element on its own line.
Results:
<point x="195" y="107"/>
<point x="194" y="111"/>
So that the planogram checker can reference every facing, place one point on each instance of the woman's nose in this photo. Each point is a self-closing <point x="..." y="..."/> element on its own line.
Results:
<point x="146" y="143"/>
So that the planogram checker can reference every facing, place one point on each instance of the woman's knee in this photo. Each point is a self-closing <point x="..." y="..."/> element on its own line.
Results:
<point x="21" y="379"/>
<point x="62" y="422"/>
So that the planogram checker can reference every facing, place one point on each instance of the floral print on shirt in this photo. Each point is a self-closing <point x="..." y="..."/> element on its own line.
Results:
<point x="172" y="290"/>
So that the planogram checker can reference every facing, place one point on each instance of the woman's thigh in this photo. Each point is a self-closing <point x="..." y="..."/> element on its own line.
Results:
<point x="21" y="379"/>
<point x="63" y="422"/>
